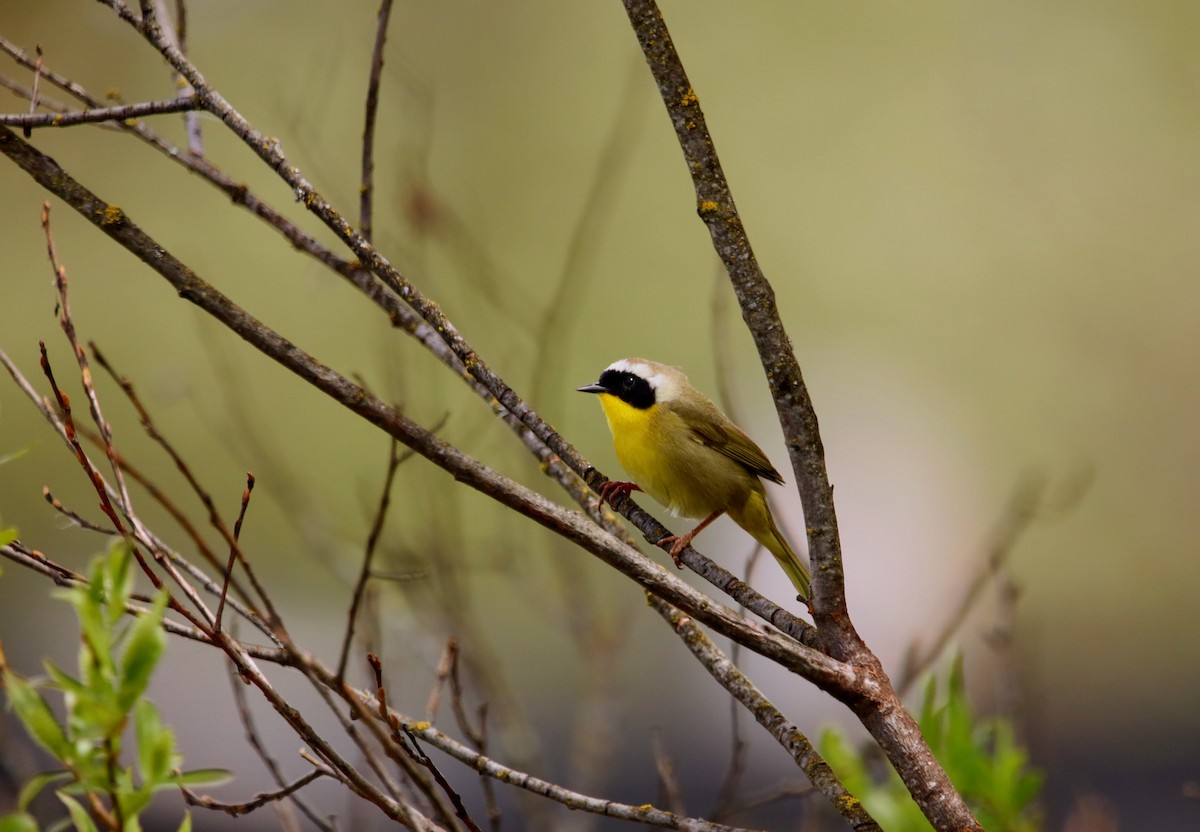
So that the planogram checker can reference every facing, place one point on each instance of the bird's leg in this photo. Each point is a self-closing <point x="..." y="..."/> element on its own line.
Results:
<point x="612" y="488"/>
<point x="679" y="542"/>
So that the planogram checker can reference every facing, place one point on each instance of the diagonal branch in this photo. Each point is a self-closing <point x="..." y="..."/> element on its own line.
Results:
<point x="818" y="668"/>
<point x="769" y="717"/>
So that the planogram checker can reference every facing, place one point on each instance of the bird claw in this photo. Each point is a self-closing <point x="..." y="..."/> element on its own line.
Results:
<point x="678" y="542"/>
<point x="614" y="488"/>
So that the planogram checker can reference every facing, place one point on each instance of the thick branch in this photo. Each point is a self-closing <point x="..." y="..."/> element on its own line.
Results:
<point x="884" y="716"/>
<point x="714" y="203"/>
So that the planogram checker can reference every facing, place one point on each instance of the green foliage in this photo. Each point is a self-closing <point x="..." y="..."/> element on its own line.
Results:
<point x="116" y="660"/>
<point x="981" y="756"/>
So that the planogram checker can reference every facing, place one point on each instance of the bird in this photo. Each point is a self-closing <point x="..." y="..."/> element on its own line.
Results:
<point x="684" y="452"/>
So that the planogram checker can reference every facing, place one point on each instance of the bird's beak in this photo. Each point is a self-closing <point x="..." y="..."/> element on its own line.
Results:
<point x="593" y="388"/>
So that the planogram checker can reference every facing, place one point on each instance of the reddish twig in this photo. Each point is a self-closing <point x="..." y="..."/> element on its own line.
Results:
<point x="234" y="551"/>
<point x="404" y="738"/>
<point x="448" y="661"/>
<point x="214" y="515"/>
<point x="260" y="800"/>
<point x="668" y="779"/>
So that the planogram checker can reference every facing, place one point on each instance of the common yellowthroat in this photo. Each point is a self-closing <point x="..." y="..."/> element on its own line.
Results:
<point x="687" y="454"/>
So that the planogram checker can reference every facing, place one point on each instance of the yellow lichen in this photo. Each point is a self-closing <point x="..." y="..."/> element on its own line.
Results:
<point x="689" y="98"/>
<point x="708" y="207"/>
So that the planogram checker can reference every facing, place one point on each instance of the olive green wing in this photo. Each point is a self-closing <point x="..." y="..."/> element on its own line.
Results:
<point x="713" y="429"/>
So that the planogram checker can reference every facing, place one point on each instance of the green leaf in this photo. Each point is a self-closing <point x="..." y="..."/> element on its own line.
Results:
<point x="36" y="716"/>
<point x="146" y="644"/>
<point x="201" y="777"/>
<point x="35" y="785"/>
<point x="185" y="825"/>
<point x="134" y="802"/>
<point x="79" y="816"/>
<point x="118" y="582"/>
<point x="156" y="745"/>
<point x="18" y="822"/>
<point x="7" y="535"/>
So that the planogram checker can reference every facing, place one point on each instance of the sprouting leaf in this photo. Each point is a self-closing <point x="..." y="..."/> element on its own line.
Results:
<point x="156" y="745"/>
<point x="35" y="785"/>
<point x="201" y="777"/>
<point x="146" y="644"/>
<point x="18" y="822"/>
<point x="186" y="824"/>
<point x="36" y="716"/>
<point x="79" y="816"/>
<point x="118" y="581"/>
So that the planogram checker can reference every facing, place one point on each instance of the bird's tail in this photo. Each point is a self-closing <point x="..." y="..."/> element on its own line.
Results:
<point x="755" y="517"/>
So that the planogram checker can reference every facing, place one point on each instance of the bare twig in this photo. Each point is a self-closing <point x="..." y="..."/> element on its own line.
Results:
<point x="121" y="113"/>
<point x="441" y="676"/>
<point x="234" y="550"/>
<point x="385" y="498"/>
<point x="260" y="800"/>
<point x="74" y="517"/>
<point x="367" y="189"/>
<point x="33" y="98"/>
<point x="668" y="779"/>
<point x="403" y="737"/>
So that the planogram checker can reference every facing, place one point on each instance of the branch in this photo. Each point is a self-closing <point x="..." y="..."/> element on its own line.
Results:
<point x="121" y="113"/>
<point x="769" y="717"/>
<point x="822" y="670"/>
<point x="885" y="717"/>
<point x="367" y="189"/>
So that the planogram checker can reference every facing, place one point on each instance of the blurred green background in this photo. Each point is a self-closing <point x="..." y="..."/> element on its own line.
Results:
<point x="980" y="221"/>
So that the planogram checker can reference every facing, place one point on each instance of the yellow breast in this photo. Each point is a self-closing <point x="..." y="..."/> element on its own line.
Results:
<point x="662" y="456"/>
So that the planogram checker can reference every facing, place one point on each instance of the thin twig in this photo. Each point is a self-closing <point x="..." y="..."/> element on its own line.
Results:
<point x="234" y="550"/>
<point x="122" y="113"/>
<point x="73" y="516"/>
<point x="259" y="800"/>
<point x="404" y="738"/>
<point x="367" y="189"/>
<point x="385" y="498"/>
<point x="214" y="515"/>
<point x="668" y="779"/>
<point x="33" y="98"/>
<point x="441" y="675"/>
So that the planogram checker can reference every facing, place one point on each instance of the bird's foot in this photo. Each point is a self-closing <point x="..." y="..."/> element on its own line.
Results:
<point x="613" y="488"/>
<point x="678" y="542"/>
